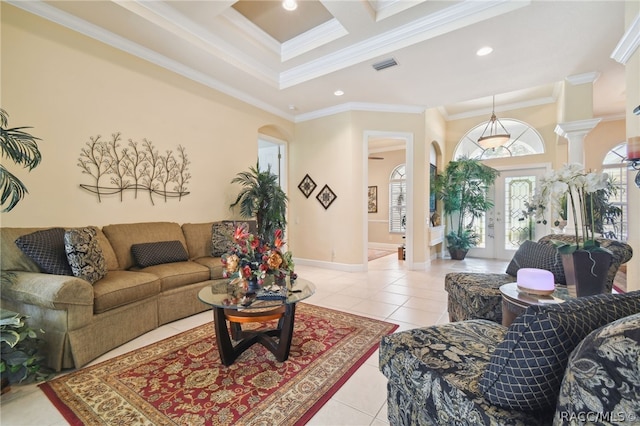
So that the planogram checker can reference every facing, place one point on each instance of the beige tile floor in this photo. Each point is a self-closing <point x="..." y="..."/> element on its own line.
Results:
<point x="387" y="291"/>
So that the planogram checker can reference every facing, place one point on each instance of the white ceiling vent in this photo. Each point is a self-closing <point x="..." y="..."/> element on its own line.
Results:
<point x="387" y="63"/>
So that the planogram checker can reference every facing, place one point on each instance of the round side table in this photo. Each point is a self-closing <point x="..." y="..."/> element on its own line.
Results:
<point x="514" y="301"/>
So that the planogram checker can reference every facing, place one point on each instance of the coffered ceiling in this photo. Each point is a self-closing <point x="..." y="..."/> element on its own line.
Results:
<point x="291" y="63"/>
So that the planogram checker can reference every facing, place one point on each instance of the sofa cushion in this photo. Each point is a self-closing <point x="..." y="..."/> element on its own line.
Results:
<point x="110" y="259"/>
<point x="198" y="238"/>
<point x="526" y="369"/>
<point x="178" y="274"/>
<point x="541" y="256"/>
<point x="603" y="374"/>
<point x="84" y="254"/>
<point x="149" y="254"/>
<point x="214" y="264"/>
<point x="119" y="288"/>
<point x="123" y="236"/>
<point x="46" y="248"/>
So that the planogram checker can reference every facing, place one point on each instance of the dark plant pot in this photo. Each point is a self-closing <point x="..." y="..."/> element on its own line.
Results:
<point x="586" y="272"/>
<point x="252" y="286"/>
<point x="458" y="254"/>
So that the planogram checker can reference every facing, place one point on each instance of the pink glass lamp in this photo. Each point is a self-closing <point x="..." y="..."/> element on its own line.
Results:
<point x="536" y="281"/>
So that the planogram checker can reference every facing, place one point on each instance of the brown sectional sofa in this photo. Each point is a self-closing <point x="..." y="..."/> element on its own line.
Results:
<point x="82" y="320"/>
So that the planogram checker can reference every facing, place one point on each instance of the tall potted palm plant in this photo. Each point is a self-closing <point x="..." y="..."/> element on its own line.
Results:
<point x="463" y="191"/>
<point x="262" y="198"/>
<point x="21" y="148"/>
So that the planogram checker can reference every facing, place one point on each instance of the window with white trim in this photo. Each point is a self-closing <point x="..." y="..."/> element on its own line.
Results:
<point x="615" y="165"/>
<point x="398" y="200"/>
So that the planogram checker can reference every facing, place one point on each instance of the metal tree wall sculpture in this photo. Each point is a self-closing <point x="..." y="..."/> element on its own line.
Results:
<point x="135" y="167"/>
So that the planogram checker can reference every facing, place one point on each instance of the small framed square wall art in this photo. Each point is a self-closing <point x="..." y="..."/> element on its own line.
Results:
<point x="326" y="196"/>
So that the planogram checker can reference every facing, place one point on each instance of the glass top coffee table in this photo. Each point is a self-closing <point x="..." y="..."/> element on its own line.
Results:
<point x="230" y="303"/>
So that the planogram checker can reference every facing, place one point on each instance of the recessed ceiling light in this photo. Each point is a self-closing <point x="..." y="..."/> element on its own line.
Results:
<point x="292" y="107"/>
<point x="484" y="51"/>
<point x="290" y="5"/>
<point x="338" y="93"/>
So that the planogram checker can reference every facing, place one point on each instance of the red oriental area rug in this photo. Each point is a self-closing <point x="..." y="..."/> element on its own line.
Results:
<point x="180" y="380"/>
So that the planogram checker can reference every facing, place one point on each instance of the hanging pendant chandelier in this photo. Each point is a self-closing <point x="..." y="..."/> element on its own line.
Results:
<point x="490" y="137"/>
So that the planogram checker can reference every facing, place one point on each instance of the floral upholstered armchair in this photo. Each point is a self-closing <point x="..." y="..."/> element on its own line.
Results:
<point x="475" y="295"/>
<point x="478" y="372"/>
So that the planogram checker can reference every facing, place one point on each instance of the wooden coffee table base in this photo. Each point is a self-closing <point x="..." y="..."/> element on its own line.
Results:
<point x="277" y="340"/>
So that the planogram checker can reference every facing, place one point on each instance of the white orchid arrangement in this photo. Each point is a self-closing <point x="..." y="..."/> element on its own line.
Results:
<point x="572" y="182"/>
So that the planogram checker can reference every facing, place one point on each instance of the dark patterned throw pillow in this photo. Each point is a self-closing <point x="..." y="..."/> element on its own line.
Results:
<point x="46" y="249"/>
<point x="149" y="254"/>
<point x="84" y="254"/>
<point x="527" y="367"/>
<point x="541" y="256"/>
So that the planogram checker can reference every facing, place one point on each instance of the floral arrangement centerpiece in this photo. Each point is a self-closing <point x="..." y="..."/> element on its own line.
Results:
<point x="571" y="182"/>
<point x="251" y="259"/>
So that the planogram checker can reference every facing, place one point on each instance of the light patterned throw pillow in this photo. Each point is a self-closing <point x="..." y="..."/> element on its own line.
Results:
<point x="221" y="237"/>
<point x="222" y="234"/>
<point x="84" y="254"/>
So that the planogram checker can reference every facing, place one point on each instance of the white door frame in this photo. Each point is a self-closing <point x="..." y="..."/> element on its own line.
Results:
<point x="408" y="138"/>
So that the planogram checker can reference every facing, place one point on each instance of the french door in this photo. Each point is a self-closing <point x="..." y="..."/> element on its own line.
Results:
<point x="505" y="227"/>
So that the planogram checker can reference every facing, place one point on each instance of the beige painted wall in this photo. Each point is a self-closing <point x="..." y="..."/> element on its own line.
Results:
<point x="602" y="139"/>
<point x="70" y="88"/>
<point x="331" y="151"/>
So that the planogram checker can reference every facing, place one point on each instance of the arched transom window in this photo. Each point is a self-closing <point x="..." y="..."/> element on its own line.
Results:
<point x="525" y="140"/>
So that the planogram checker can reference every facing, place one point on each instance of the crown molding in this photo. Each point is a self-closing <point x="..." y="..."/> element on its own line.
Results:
<point x="578" y="127"/>
<point x="53" y="14"/>
<point x="314" y="38"/>
<point x="628" y="43"/>
<point x="358" y="106"/>
<point x="588" y="77"/>
<point x="251" y="30"/>
<point x="613" y="117"/>
<point x="170" y="20"/>
<point x="386" y="8"/>
<point x="435" y="24"/>
<point x="502" y="108"/>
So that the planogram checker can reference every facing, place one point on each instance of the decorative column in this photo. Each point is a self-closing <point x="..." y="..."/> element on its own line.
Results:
<point x="575" y="132"/>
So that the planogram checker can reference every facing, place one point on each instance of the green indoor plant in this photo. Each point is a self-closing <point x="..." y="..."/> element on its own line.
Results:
<point x="21" y="148"/>
<point x="21" y="358"/>
<point x="262" y="198"/>
<point x="463" y="191"/>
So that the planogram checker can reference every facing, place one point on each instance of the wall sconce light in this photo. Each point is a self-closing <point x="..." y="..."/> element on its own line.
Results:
<point x="633" y="156"/>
